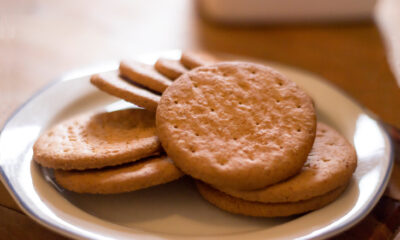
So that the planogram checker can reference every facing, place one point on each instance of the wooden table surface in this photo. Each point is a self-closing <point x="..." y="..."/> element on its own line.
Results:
<point x="41" y="39"/>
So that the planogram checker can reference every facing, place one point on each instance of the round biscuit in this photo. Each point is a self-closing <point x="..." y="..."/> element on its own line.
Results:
<point x="257" y="209"/>
<point x="330" y="164"/>
<point x="193" y="59"/>
<point x="95" y="141"/>
<point x="123" y="178"/>
<point x="170" y="68"/>
<point x="114" y="85"/>
<point x="236" y="125"/>
<point x="144" y="74"/>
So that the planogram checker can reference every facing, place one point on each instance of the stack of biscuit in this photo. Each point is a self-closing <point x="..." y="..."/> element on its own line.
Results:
<point x="111" y="152"/>
<point x="116" y="152"/>
<point x="247" y="135"/>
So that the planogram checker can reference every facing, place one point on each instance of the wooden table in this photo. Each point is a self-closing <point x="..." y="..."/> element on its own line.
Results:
<point x="41" y="39"/>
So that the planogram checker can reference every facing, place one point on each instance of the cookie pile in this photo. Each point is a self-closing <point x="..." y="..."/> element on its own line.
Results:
<point x="250" y="137"/>
<point x="115" y="152"/>
<point x="142" y="84"/>
<point x="108" y="152"/>
<point x="246" y="133"/>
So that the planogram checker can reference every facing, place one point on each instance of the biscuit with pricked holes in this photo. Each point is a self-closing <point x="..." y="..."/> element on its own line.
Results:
<point x="258" y="209"/>
<point x="128" y="177"/>
<point x="98" y="140"/>
<point x="170" y="68"/>
<point x="144" y="74"/>
<point x="330" y="164"/>
<point x="236" y="125"/>
<point x="115" y="85"/>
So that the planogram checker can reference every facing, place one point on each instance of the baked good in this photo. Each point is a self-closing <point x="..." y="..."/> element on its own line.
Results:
<point x="257" y="209"/>
<point x="193" y="59"/>
<point x="237" y="125"/>
<point x="144" y="74"/>
<point x="170" y="68"/>
<point x="128" y="177"/>
<point x="330" y="164"/>
<point x="115" y="85"/>
<point x="99" y="140"/>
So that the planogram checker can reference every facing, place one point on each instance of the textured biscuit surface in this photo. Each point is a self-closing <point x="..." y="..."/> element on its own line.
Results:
<point x="113" y="84"/>
<point x="257" y="209"/>
<point x="192" y="59"/>
<point x="330" y="164"/>
<point x="144" y="74"/>
<point x="95" y="141"/>
<point x="236" y="125"/>
<point x="170" y="68"/>
<point x="123" y="178"/>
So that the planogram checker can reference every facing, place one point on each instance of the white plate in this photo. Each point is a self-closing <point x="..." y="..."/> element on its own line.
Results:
<point x="175" y="210"/>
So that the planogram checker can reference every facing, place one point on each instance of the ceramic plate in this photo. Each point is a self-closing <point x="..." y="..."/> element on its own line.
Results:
<point x="176" y="210"/>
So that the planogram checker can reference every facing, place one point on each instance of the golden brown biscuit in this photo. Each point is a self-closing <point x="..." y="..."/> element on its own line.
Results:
<point x="193" y="59"/>
<point x="123" y="178"/>
<point x="236" y="125"/>
<point x="330" y="164"/>
<point x="144" y="75"/>
<point x="170" y="68"/>
<point x="95" y="141"/>
<point x="257" y="209"/>
<point x="113" y="84"/>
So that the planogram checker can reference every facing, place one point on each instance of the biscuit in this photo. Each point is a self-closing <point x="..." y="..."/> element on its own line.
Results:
<point x="191" y="59"/>
<point x="330" y="164"/>
<point x="170" y="68"/>
<point x="114" y="85"/>
<point x="123" y="178"/>
<point x="257" y="209"/>
<point x="95" y="141"/>
<point x="144" y="75"/>
<point x="236" y="125"/>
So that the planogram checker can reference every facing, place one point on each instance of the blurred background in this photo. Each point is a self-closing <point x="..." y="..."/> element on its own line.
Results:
<point x="40" y="39"/>
<point x="353" y="44"/>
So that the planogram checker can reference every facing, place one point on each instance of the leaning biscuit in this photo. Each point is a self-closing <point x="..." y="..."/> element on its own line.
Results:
<point x="144" y="74"/>
<point x="257" y="209"/>
<point x="170" y="68"/>
<point x="330" y="164"/>
<point x="95" y="141"/>
<point x="123" y="178"/>
<point x="236" y="125"/>
<point x="192" y="59"/>
<point x="113" y="84"/>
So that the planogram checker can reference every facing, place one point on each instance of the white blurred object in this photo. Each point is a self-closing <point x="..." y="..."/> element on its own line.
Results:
<point x="266" y="11"/>
<point x="387" y="17"/>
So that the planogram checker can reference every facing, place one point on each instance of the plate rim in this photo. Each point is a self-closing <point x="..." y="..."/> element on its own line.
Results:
<point x="110" y="66"/>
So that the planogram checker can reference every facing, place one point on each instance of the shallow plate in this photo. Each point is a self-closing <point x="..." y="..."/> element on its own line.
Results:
<point x="175" y="210"/>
